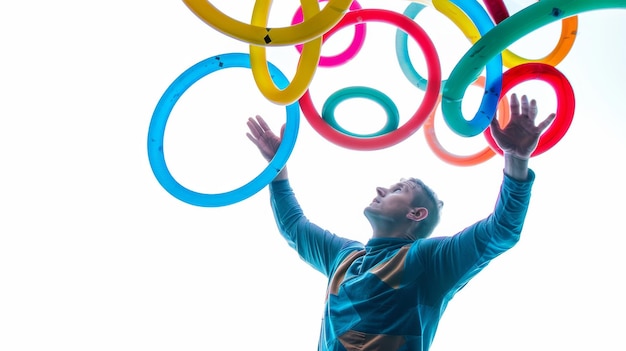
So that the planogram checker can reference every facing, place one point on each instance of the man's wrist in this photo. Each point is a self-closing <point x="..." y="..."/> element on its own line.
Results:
<point x="281" y="175"/>
<point x="515" y="166"/>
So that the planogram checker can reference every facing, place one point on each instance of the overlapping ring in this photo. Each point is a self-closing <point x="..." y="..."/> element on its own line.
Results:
<point x="317" y="23"/>
<point x="564" y="96"/>
<point x="418" y="118"/>
<point x="351" y="51"/>
<point x="307" y="64"/>
<point x="162" y="112"/>
<point x="464" y="160"/>
<point x="492" y="43"/>
<point x="569" y="29"/>
<point x="303" y="32"/>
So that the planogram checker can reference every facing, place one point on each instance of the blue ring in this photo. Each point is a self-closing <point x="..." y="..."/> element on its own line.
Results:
<point x="393" y="116"/>
<point x="162" y="112"/>
<point x="493" y="81"/>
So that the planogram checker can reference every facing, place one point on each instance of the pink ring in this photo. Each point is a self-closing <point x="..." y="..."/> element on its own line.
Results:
<point x="346" y="55"/>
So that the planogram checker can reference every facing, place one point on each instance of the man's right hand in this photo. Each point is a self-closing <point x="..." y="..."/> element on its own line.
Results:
<point x="263" y="137"/>
<point x="267" y="142"/>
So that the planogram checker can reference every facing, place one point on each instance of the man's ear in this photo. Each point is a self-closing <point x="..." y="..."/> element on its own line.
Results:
<point x="417" y="214"/>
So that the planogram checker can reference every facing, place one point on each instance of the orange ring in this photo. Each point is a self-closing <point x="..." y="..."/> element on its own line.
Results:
<point x="469" y="160"/>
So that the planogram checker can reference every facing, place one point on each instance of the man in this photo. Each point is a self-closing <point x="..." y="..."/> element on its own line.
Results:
<point x="389" y="294"/>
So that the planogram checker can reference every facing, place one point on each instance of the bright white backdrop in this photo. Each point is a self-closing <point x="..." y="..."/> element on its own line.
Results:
<point x="95" y="255"/>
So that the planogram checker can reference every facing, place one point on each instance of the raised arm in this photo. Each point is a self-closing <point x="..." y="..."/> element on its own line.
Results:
<point x="456" y="259"/>
<point x="316" y="246"/>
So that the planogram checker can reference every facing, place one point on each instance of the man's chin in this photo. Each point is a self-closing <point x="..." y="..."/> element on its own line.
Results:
<point x="369" y="211"/>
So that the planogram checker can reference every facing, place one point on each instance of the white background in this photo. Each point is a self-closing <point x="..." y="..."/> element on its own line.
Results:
<point x="96" y="255"/>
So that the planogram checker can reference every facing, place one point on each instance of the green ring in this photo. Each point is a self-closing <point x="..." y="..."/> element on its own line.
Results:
<point x="393" y="116"/>
<point x="499" y="38"/>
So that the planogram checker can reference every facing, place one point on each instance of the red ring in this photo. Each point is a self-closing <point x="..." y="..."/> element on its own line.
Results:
<point x="565" y="102"/>
<point x="497" y="9"/>
<point x="428" y="103"/>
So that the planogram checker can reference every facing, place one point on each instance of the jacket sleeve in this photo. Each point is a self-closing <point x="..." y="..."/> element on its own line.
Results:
<point x="454" y="260"/>
<point x="318" y="247"/>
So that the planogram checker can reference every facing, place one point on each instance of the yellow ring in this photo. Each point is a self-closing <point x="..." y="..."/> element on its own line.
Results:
<point x="307" y="65"/>
<point x="569" y="29"/>
<point x="299" y="33"/>
<point x="457" y="16"/>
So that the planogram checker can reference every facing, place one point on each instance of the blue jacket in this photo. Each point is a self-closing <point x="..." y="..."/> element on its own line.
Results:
<point x="389" y="294"/>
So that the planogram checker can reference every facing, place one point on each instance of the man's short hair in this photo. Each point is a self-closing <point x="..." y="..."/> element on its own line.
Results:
<point x="432" y="203"/>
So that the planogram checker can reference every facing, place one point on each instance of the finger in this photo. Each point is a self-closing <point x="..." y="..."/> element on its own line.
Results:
<point x="262" y="123"/>
<point x="254" y="128"/>
<point x="282" y="130"/>
<point x="525" y="106"/>
<point x="254" y="140"/>
<point x="543" y="125"/>
<point x="532" y="113"/>
<point x="514" y="105"/>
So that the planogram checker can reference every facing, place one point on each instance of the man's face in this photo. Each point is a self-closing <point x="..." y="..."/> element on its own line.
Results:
<point x="393" y="203"/>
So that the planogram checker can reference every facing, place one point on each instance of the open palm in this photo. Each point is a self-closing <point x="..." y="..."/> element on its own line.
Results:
<point x="521" y="135"/>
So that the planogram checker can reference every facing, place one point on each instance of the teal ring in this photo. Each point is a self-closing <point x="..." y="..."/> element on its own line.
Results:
<point x="393" y="116"/>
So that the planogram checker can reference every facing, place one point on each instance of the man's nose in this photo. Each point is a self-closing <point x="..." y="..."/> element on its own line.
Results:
<point x="381" y="191"/>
